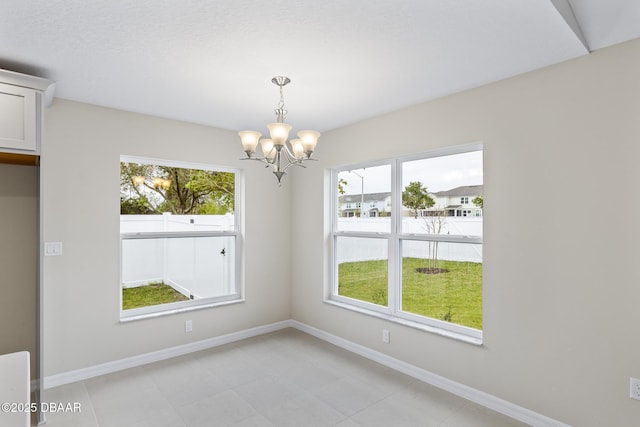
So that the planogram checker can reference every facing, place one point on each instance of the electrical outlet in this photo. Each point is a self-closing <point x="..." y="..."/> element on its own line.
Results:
<point x="634" y="391"/>
<point x="188" y="326"/>
<point x="52" y="248"/>
<point x="385" y="336"/>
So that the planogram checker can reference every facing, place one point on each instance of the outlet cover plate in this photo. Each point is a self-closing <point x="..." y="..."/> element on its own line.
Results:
<point x="634" y="391"/>
<point x="52" y="248"/>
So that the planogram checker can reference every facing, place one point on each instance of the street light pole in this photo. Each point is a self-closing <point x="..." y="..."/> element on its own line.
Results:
<point x="361" y="192"/>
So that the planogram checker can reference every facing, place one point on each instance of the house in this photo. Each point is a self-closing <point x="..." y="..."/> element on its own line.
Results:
<point x="560" y="337"/>
<point x="458" y="201"/>
<point x="454" y="202"/>
<point x="365" y="205"/>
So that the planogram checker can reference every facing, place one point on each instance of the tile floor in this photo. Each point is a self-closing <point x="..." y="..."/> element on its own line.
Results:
<point x="286" y="378"/>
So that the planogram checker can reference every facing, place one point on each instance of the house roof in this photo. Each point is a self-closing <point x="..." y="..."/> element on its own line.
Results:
<point x="466" y="190"/>
<point x="368" y="197"/>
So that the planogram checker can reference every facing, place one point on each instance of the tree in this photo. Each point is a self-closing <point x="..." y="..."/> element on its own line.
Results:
<point x="434" y="224"/>
<point x="154" y="189"/>
<point x="137" y="206"/>
<point x="478" y="201"/>
<point x="341" y="183"/>
<point x="416" y="197"/>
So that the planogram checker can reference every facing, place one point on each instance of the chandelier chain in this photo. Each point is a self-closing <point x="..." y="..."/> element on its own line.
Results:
<point x="281" y="113"/>
<point x="281" y="103"/>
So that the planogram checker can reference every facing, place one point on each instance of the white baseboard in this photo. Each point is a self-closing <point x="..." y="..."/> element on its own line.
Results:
<point x="487" y="400"/>
<point x="143" y="359"/>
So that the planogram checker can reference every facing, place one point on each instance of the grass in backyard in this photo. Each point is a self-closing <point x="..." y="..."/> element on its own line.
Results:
<point x="454" y="296"/>
<point x="151" y="294"/>
<point x="364" y="281"/>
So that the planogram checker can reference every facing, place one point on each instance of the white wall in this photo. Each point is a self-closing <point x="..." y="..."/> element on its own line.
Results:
<point x="561" y="330"/>
<point x="80" y="167"/>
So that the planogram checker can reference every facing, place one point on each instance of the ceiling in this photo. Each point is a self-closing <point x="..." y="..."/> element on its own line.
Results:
<point x="211" y="61"/>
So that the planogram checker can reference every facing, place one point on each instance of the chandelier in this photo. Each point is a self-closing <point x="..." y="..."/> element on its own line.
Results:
<point x="276" y="153"/>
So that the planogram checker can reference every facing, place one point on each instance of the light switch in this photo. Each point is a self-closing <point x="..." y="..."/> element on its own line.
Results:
<point x="52" y="248"/>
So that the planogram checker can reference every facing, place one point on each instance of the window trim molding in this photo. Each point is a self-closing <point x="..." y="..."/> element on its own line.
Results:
<point x="177" y="307"/>
<point x="407" y="322"/>
<point x="392" y="312"/>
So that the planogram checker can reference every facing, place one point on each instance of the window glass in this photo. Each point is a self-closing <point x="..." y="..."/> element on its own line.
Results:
<point x="435" y="188"/>
<point x="420" y="262"/>
<point x="362" y="269"/>
<point x="364" y="199"/>
<point x="147" y="190"/>
<point x="443" y="280"/>
<point x="179" y="235"/>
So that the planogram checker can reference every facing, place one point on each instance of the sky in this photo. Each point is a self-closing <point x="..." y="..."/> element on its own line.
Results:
<point x="435" y="173"/>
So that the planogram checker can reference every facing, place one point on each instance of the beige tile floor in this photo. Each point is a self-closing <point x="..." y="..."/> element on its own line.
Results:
<point x="286" y="378"/>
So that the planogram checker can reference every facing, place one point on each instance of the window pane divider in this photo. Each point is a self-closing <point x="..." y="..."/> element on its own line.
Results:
<point x="175" y="234"/>
<point x="370" y="234"/>
<point x="441" y="238"/>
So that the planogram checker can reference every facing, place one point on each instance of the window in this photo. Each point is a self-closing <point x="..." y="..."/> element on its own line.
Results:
<point x="422" y="264"/>
<point x="180" y="236"/>
<point x="464" y="200"/>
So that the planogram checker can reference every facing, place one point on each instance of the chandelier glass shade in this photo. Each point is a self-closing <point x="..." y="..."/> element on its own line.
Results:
<point x="276" y="153"/>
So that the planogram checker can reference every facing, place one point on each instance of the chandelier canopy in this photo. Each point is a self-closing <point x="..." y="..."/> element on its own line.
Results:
<point x="275" y="151"/>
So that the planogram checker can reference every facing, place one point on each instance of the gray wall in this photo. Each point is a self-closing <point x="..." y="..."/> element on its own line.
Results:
<point x="562" y="144"/>
<point x="19" y="260"/>
<point x="80" y="167"/>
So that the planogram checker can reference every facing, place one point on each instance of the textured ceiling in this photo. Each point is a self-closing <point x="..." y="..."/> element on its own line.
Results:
<point x="211" y="61"/>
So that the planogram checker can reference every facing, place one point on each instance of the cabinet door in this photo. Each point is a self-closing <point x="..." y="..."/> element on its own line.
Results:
<point x="17" y="118"/>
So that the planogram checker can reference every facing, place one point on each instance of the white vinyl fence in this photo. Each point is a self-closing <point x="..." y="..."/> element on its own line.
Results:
<point x="352" y="249"/>
<point x="202" y="267"/>
<point x="197" y="267"/>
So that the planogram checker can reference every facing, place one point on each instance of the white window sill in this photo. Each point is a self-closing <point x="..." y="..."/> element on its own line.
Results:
<point x="416" y="325"/>
<point x="124" y="318"/>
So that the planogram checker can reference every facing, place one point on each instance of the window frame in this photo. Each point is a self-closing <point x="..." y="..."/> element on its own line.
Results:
<point x="395" y="238"/>
<point x="236" y="234"/>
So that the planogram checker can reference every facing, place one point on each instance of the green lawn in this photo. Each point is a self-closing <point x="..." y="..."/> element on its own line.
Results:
<point x="454" y="296"/>
<point x="151" y="294"/>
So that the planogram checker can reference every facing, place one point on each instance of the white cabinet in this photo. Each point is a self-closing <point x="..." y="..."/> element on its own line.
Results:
<point x="18" y="119"/>
<point x="14" y="371"/>
<point x="21" y="103"/>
